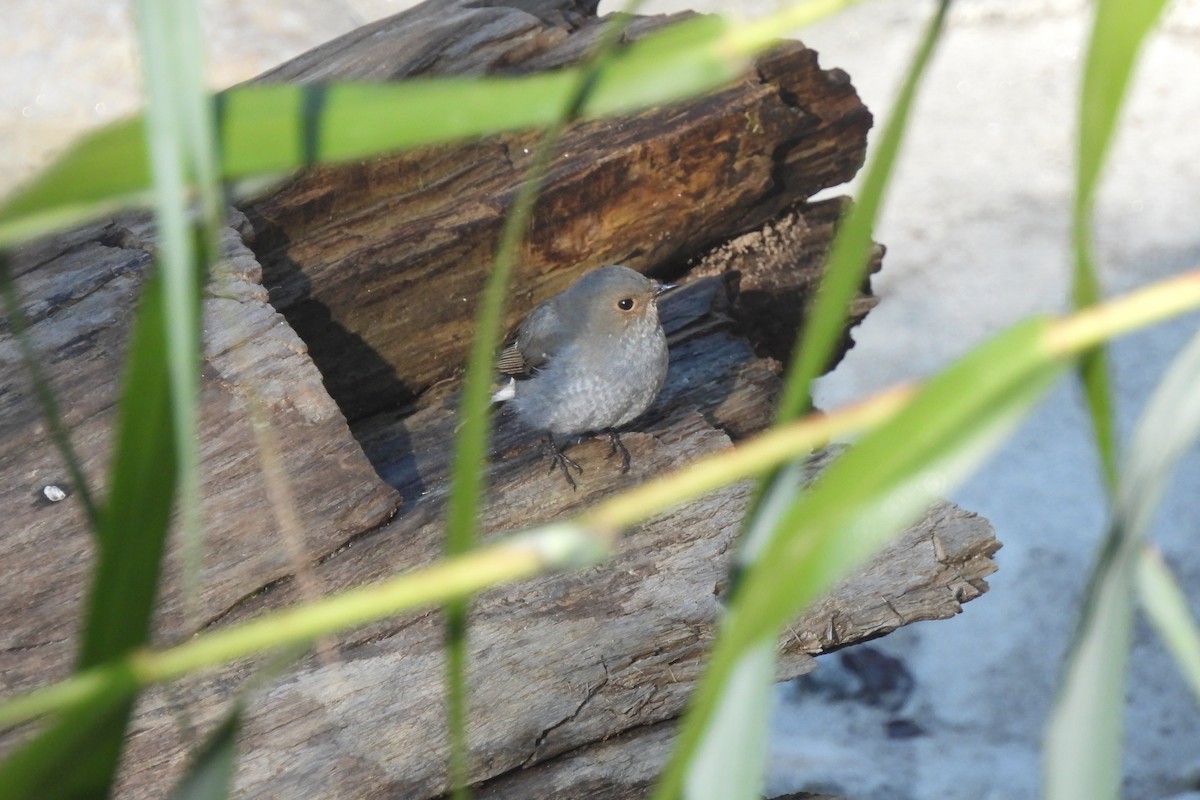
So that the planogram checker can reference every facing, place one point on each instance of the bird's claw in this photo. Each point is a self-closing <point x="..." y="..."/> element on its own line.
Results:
<point x="616" y="445"/>
<point x="560" y="459"/>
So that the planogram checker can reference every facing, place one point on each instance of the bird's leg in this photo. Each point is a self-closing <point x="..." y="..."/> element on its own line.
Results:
<point x="615" y="445"/>
<point x="559" y="458"/>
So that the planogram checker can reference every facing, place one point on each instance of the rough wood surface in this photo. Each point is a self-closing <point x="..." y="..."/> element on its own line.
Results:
<point x="79" y="292"/>
<point x="376" y="266"/>
<point x="622" y="768"/>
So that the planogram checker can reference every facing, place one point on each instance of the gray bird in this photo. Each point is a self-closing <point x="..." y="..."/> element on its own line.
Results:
<point x="589" y="360"/>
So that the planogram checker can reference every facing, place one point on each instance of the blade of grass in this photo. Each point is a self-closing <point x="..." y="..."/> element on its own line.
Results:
<point x="902" y="465"/>
<point x="1118" y="31"/>
<point x="19" y="327"/>
<point x="1166" y="606"/>
<point x="475" y="431"/>
<point x="86" y="743"/>
<point x="72" y="758"/>
<point x="182" y="153"/>
<point x="1086" y="723"/>
<point x="562" y="546"/>
<point x="135" y="518"/>
<point x="719" y="771"/>
<point x="1083" y="741"/>
<point x="210" y="776"/>
<point x="732" y="755"/>
<point x="870" y="492"/>
<point x="271" y="128"/>
<point x="846" y="269"/>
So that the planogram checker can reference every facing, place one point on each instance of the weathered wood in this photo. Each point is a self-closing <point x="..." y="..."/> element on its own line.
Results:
<point x="622" y="768"/>
<point x="79" y="292"/>
<point x="377" y="266"/>
<point x="362" y="259"/>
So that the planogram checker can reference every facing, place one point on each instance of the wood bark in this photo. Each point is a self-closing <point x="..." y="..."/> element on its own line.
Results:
<point x="575" y="678"/>
<point x="79" y="293"/>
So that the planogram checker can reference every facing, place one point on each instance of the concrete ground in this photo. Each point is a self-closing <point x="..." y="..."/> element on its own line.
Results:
<point x="976" y="225"/>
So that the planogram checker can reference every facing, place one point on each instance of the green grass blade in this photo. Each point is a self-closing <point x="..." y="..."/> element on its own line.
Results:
<point x="210" y="776"/>
<point x="560" y="546"/>
<point x="131" y="529"/>
<point x="269" y="129"/>
<point x="1118" y="31"/>
<point x="1166" y="606"/>
<point x="130" y="539"/>
<point x="72" y="759"/>
<point x="474" y="436"/>
<point x="182" y="153"/>
<point x="731" y="758"/>
<point x="19" y="327"/>
<point x="718" y="770"/>
<point x="136" y="516"/>
<point x="1083" y="742"/>
<point x="873" y="490"/>
<point x="475" y="431"/>
<point x="846" y="270"/>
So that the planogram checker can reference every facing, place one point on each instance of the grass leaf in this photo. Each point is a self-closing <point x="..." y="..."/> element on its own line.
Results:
<point x="475" y="431"/>
<point x="1083" y="742"/>
<point x="848" y="257"/>
<point x="1166" y="606"/>
<point x="210" y="775"/>
<point x="73" y="757"/>
<point x="719" y="770"/>
<point x="730" y="759"/>
<point x="182" y="150"/>
<point x="137" y="513"/>
<point x="1117" y="35"/>
<point x="78" y="754"/>
<point x="870" y="492"/>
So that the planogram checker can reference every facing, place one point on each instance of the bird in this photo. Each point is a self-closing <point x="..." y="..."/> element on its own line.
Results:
<point x="589" y="360"/>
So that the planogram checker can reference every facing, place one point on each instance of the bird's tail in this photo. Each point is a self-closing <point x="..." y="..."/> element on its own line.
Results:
<point x="506" y="392"/>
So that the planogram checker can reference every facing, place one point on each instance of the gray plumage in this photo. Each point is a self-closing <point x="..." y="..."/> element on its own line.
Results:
<point x="590" y="359"/>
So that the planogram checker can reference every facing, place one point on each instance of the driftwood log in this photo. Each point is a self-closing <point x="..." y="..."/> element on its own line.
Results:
<point x="337" y="323"/>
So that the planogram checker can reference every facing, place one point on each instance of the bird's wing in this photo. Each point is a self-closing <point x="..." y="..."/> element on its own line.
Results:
<point x="512" y="361"/>
<point x="539" y="337"/>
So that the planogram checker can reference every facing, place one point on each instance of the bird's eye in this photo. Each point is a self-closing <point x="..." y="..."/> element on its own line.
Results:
<point x="625" y="303"/>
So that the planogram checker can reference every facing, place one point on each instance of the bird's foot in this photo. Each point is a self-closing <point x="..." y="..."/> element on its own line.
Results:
<point x="559" y="459"/>
<point x="615" y="446"/>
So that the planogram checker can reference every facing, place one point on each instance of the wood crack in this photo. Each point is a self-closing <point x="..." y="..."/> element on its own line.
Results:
<point x="587" y="698"/>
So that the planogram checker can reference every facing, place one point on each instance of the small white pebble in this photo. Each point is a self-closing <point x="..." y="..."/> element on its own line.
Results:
<point x="54" y="493"/>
